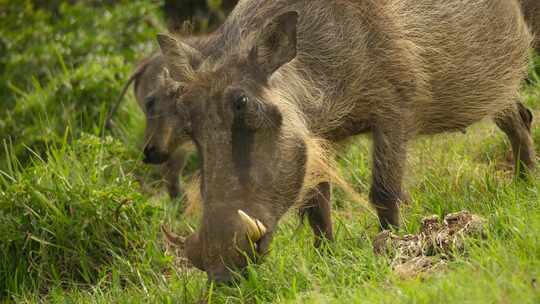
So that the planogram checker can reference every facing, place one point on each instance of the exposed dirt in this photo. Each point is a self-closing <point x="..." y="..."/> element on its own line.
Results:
<point x="429" y="250"/>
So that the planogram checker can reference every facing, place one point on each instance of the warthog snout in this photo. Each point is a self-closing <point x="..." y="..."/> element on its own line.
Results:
<point x="242" y="240"/>
<point x="153" y="156"/>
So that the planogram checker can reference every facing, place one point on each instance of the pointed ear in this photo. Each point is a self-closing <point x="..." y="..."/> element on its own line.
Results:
<point x="276" y="44"/>
<point x="180" y="58"/>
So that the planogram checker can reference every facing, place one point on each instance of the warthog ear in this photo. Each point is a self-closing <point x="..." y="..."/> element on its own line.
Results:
<point x="180" y="58"/>
<point x="276" y="44"/>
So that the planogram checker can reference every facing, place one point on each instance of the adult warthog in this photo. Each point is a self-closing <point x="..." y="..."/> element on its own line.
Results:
<point x="281" y="75"/>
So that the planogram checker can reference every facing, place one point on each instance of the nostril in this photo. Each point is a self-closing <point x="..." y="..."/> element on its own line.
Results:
<point x="149" y="150"/>
<point x="149" y="154"/>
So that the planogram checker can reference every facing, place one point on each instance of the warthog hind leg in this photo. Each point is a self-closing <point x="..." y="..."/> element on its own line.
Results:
<point x="389" y="157"/>
<point x="317" y="207"/>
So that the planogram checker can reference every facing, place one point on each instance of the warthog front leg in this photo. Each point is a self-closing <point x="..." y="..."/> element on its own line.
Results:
<point x="516" y="124"/>
<point x="171" y="171"/>
<point x="317" y="207"/>
<point x="389" y="158"/>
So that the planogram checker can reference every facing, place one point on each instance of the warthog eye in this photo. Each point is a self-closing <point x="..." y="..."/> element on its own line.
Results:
<point x="150" y="102"/>
<point x="252" y="113"/>
<point x="240" y="103"/>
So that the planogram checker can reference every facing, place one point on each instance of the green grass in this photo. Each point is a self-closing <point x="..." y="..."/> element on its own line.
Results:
<point x="80" y="213"/>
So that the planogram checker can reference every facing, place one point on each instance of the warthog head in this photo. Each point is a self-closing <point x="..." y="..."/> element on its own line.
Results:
<point x="157" y="94"/>
<point x="253" y="158"/>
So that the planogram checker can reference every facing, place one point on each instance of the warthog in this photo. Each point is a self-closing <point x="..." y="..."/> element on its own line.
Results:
<point x="279" y="77"/>
<point x="156" y="94"/>
<point x="163" y="136"/>
<point x="164" y="140"/>
<point x="163" y="145"/>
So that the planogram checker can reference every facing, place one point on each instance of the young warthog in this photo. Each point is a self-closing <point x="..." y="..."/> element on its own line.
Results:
<point x="163" y="135"/>
<point x="281" y="75"/>
<point x="163" y="139"/>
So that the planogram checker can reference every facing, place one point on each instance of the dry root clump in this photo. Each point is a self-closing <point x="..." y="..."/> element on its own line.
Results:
<point x="428" y="251"/>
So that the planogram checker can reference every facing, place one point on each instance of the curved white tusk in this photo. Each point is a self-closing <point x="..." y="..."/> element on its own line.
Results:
<point x="255" y="229"/>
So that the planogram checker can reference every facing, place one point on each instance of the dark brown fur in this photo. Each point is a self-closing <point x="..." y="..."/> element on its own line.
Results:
<point x="395" y="68"/>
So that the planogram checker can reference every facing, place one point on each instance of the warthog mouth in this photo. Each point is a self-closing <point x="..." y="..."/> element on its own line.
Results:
<point x="256" y="234"/>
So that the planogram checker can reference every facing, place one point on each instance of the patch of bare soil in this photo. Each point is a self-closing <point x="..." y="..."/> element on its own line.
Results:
<point x="429" y="250"/>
